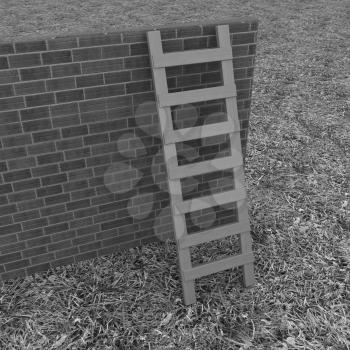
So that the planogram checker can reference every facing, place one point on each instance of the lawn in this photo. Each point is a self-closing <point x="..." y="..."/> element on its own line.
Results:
<point x="298" y="173"/>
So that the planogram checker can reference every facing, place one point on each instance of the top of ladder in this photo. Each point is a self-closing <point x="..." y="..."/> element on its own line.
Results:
<point x="162" y="60"/>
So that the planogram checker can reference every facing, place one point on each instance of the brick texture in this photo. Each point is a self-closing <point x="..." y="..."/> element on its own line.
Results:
<point x="82" y="172"/>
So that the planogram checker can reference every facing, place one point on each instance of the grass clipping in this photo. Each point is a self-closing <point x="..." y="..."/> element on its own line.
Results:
<point x="298" y="177"/>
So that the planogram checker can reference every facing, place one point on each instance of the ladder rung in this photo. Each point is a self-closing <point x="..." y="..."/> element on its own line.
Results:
<point x="217" y="266"/>
<point x="192" y="57"/>
<point x="192" y="96"/>
<point x="210" y="201"/>
<point x="213" y="234"/>
<point x="197" y="132"/>
<point x="179" y="172"/>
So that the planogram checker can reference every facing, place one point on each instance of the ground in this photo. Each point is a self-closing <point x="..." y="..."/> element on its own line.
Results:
<point x="298" y="173"/>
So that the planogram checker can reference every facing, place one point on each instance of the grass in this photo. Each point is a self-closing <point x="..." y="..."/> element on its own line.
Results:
<point x="298" y="173"/>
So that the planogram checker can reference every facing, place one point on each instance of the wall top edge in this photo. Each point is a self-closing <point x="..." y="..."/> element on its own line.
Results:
<point x="121" y="29"/>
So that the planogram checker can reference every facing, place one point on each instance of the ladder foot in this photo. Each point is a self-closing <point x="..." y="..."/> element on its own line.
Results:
<point x="248" y="275"/>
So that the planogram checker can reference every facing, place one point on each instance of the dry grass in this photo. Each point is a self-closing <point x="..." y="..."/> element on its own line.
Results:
<point x="298" y="176"/>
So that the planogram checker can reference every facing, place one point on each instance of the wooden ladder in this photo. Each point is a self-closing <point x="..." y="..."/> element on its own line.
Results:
<point x="175" y="172"/>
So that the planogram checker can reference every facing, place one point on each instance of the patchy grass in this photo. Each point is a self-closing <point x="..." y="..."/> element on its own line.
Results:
<point x="298" y="173"/>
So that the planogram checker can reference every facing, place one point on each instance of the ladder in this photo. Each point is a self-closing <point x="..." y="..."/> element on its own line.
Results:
<point x="170" y="137"/>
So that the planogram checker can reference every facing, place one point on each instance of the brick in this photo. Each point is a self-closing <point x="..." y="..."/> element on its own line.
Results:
<point x="63" y="70"/>
<point x="74" y="131"/>
<point x="140" y="86"/>
<point x="61" y="198"/>
<point x="36" y="125"/>
<point x="61" y="236"/>
<point x="72" y="165"/>
<point x="242" y="62"/>
<point x="3" y="166"/>
<point x="49" y="191"/>
<point x="10" y="129"/>
<point x="35" y="113"/>
<point x="6" y="258"/>
<point x="239" y="27"/>
<point x="117" y="77"/>
<point x="32" y="87"/>
<point x="40" y="267"/>
<point x="89" y="247"/>
<point x="102" y="66"/>
<point x="8" y="239"/>
<point x="70" y="143"/>
<point x="77" y="185"/>
<point x="50" y="158"/>
<point x="6" y="91"/>
<point x="66" y="252"/>
<point x="4" y="189"/>
<point x="55" y="209"/>
<point x="90" y="106"/>
<point x="22" y="196"/>
<point x="24" y="235"/>
<point x="69" y="96"/>
<point x="195" y="43"/>
<point x="79" y="204"/>
<point x="13" y="274"/>
<point x="46" y="136"/>
<point x="104" y="159"/>
<point x="99" y="39"/>
<point x="56" y="228"/>
<point x="39" y="241"/>
<point x="18" y="140"/>
<point x="26" y="185"/>
<point x="137" y="62"/>
<point x="83" y="239"/>
<point x="45" y="170"/>
<point x="41" y="148"/>
<point x="88" y="211"/>
<point x="63" y="261"/>
<point x="11" y="103"/>
<point x="89" y="80"/>
<point x="6" y="220"/>
<point x="107" y="126"/>
<point x="56" y="57"/>
<point x="64" y="217"/>
<point x="6" y="48"/>
<point x="188" y="31"/>
<point x="30" y="46"/>
<point x="244" y="38"/>
<point x="64" y="109"/>
<point x="80" y="174"/>
<point x="17" y="265"/>
<point x="8" y="117"/>
<point x="4" y="230"/>
<point x="115" y="51"/>
<point x="26" y="60"/>
<point x="79" y="153"/>
<point x="143" y="97"/>
<point x="8" y="76"/>
<point x="60" y="84"/>
<point x="104" y="91"/>
<point x="63" y="121"/>
<point x="40" y="99"/>
<point x="35" y="73"/>
<point x="52" y="180"/>
<point x="91" y="53"/>
<point x="60" y="43"/>
<point x="95" y="139"/>
<point x="12" y="248"/>
<point x="173" y="45"/>
<point x="17" y="175"/>
<point x="27" y="215"/>
<point x="141" y="74"/>
<point x="134" y="36"/>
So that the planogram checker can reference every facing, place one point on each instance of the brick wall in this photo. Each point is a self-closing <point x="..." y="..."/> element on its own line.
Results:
<point x="81" y="163"/>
